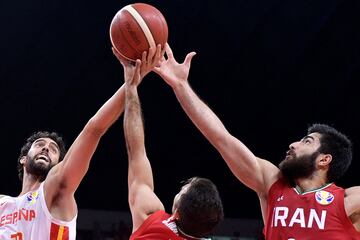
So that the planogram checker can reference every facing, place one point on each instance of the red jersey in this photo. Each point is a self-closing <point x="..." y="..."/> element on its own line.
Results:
<point x="314" y="215"/>
<point x="158" y="226"/>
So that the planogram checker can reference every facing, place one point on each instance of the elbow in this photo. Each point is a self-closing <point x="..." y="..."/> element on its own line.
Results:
<point x="220" y="142"/>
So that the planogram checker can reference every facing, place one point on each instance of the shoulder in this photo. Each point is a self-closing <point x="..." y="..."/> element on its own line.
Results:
<point x="280" y="182"/>
<point x="352" y="200"/>
<point x="1" y="196"/>
<point x="271" y="174"/>
<point x="352" y="191"/>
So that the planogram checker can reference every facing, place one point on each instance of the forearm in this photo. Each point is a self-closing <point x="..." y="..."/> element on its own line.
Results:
<point x="139" y="166"/>
<point x="199" y="113"/>
<point x="242" y="162"/>
<point x="76" y="161"/>
<point x="133" y="123"/>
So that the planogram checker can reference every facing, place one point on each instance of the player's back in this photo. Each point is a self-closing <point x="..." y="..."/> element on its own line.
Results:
<point x="158" y="226"/>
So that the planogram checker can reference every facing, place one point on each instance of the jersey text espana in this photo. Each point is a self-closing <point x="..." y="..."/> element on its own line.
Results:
<point x="27" y="218"/>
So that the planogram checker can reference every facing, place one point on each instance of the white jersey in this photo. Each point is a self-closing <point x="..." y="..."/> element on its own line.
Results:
<point x="27" y="218"/>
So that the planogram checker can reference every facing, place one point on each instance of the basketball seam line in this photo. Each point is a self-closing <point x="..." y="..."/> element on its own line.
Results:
<point x="144" y="27"/>
<point x="113" y="43"/>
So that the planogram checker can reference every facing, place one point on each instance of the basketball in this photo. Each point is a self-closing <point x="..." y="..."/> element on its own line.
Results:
<point x="137" y="27"/>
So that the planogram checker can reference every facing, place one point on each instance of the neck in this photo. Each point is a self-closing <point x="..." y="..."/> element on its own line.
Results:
<point x="189" y="236"/>
<point x="29" y="183"/>
<point x="306" y="185"/>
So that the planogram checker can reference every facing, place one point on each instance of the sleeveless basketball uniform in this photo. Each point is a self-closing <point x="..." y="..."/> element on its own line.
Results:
<point x="27" y="218"/>
<point x="158" y="226"/>
<point x="313" y="215"/>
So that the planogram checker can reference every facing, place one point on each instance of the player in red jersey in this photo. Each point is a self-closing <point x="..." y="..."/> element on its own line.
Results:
<point x="197" y="208"/>
<point x="298" y="199"/>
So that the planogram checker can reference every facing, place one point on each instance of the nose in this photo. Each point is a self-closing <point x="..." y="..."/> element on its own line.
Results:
<point x="45" y="148"/>
<point x="292" y="145"/>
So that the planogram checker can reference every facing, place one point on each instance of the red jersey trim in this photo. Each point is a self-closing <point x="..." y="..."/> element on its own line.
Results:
<point x="147" y="222"/>
<point x="59" y="232"/>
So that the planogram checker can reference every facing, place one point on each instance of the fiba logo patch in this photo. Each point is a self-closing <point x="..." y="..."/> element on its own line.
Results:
<point x="324" y="197"/>
<point x="32" y="197"/>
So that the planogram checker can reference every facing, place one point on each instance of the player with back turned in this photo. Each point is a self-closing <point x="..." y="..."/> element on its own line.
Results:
<point x="197" y="208"/>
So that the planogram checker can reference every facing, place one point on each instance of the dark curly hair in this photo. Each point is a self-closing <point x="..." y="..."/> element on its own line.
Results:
<point x="338" y="145"/>
<point x="41" y="134"/>
<point x="200" y="208"/>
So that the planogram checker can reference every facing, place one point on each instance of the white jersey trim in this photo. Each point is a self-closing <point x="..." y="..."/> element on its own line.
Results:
<point x="47" y="212"/>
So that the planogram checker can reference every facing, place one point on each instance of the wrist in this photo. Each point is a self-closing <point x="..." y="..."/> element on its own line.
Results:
<point x="130" y="87"/>
<point x="180" y="85"/>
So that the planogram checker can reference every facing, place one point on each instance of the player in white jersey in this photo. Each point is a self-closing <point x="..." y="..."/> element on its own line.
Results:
<point x="46" y="208"/>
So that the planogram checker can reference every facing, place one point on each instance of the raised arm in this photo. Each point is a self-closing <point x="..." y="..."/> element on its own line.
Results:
<point x="255" y="173"/>
<point x="142" y="199"/>
<point x="64" y="178"/>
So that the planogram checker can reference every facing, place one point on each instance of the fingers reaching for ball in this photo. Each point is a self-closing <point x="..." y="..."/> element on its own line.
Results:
<point x="150" y="60"/>
<point x="188" y="58"/>
<point x="168" y="51"/>
<point x="158" y="54"/>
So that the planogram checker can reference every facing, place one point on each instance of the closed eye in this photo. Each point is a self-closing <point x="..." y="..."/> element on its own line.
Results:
<point x="39" y="143"/>
<point x="54" y="148"/>
<point x="307" y="139"/>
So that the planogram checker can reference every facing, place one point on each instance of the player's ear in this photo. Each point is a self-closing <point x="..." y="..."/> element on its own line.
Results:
<point x="176" y="215"/>
<point x="325" y="159"/>
<point x="23" y="159"/>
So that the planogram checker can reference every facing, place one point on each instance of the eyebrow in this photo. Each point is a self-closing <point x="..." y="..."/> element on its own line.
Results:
<point x="39" y="140"/>
<point x="55" y="144"/>
<point x="308" y="136"/>
<point x="51" y="143"/>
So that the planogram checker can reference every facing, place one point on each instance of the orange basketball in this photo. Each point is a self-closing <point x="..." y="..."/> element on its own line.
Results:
<point x="135" y="28"/>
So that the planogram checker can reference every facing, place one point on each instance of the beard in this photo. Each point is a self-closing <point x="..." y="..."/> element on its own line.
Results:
<point x="38" y="170"/>
<point x="298" y="167"/>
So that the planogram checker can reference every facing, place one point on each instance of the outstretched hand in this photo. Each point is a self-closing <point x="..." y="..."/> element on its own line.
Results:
<point x="147" y="63"/>
<point x="172" y="71"/>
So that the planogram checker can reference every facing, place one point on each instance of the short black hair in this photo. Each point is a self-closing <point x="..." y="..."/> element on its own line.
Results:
<point x="29" y="141"/>
<point x="200" y="208"/>
<point x="338" y="145"/>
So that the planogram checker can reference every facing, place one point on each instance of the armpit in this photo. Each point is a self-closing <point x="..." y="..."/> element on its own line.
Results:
<point x="355" y="219"/>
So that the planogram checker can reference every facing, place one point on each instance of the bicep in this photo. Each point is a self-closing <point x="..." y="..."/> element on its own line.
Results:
<point x="142" y="202"/>
<point x="68" y="174"/>
<point x="140" y="172"/>
<point x="142" y="199"/>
